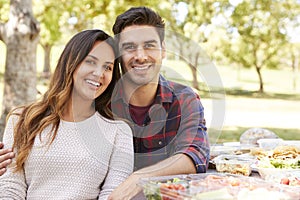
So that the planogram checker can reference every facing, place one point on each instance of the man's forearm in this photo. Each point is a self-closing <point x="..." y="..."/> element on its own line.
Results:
<point x="177" y="164"/>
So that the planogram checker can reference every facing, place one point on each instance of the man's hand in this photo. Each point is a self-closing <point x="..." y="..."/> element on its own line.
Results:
<point x="128" y="189"/>
<point x="177" y="164"/>
<point x="6" y="156"/>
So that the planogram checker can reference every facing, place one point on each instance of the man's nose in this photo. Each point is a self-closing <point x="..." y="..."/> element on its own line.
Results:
<point x="141" y="54"/>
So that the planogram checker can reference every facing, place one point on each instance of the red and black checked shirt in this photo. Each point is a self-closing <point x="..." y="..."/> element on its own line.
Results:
<point x="174" y="124"/>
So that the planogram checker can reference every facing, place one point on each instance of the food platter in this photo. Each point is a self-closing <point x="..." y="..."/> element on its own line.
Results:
<point x="237" y="171"/>
<point x="234" y="164"/>
<point x="214" y="185"/>
<point x="279" y="165"/>
<point x="229" y="148"/>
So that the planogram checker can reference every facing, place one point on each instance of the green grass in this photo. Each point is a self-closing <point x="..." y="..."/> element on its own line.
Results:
<point x="277" y="109"/>
<point x="232" y="134"/>
<point x="244" y="81"/>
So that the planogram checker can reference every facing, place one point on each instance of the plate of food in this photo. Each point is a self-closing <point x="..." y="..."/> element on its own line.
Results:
<point x="280" y="165"/>
<point x="234" y="164"/>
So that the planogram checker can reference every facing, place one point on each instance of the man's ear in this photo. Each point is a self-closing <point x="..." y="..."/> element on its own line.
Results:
<point x="163" y="49"/>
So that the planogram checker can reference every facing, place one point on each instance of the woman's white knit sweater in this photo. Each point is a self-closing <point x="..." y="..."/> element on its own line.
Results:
<point x="87" y="160"/>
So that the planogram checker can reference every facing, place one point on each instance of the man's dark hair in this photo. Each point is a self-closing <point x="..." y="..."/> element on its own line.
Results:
<point x="139" y="16"/>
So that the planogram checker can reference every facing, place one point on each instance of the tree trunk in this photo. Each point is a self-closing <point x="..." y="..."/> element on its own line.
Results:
<point x="193" y="68"/>
<point x="261" y="84"/>
<point x="21" y="39"/>
<point x="295" y="71"/>
<point x="195" y="78"/>
<point x="46" y="69"/>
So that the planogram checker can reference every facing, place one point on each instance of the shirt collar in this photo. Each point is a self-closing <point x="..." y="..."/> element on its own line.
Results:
<point x="164" y="92"/>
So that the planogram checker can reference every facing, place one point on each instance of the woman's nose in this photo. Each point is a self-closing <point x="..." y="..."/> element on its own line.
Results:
<point x="99" y="71"/>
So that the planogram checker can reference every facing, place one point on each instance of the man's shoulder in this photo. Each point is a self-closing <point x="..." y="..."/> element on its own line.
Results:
<point x="178" y="88"/>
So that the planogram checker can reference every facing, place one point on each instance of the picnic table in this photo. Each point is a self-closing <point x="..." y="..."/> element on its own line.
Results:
<point x="254" y="175"/>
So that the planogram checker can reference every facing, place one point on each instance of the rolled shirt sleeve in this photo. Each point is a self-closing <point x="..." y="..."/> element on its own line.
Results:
<point x="192" y="138"/>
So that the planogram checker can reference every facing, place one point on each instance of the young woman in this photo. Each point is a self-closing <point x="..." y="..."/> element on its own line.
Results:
<point x="67" y="144"/>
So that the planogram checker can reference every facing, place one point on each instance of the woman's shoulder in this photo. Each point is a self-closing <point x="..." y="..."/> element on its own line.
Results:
<point x="119" y="127"/>
<point x="114" y="122"/>
<point x="14" y="114"/>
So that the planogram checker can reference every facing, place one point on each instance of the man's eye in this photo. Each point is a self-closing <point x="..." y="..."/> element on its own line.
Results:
<point x="130" y="47"/>
<point x="149" y="46"/>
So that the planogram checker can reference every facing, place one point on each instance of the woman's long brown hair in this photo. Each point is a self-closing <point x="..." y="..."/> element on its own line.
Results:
<point x="35" y="117"/>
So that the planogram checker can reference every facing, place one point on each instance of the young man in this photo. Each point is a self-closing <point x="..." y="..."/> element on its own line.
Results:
<point x="167" y="118"/>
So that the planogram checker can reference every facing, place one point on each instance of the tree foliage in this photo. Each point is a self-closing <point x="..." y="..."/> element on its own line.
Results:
<point x="257" y="31"/>
<point x="187" y="32"/>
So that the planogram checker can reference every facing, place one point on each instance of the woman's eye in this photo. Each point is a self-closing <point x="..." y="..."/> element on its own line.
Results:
<point x="91" y="62"/>
<point x="108" y="68"/>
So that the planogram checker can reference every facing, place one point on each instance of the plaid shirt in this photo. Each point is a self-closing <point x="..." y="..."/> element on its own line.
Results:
<point x="174" y="124"/>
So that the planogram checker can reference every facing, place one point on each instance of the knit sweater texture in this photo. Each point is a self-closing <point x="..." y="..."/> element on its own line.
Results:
<point x="87" y="160"/>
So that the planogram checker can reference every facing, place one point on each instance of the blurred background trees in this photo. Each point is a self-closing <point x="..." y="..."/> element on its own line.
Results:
<point x="20" y="33"/>
<point x="245" y="33"/>
<point x="257" y="31"/>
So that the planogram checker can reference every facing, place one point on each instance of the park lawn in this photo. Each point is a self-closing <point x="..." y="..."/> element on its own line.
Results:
<point x="237" y="79"/>
<point x="278" y="109"/>
<point x="232" y="134"/>
<point x="279" y="116"/>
